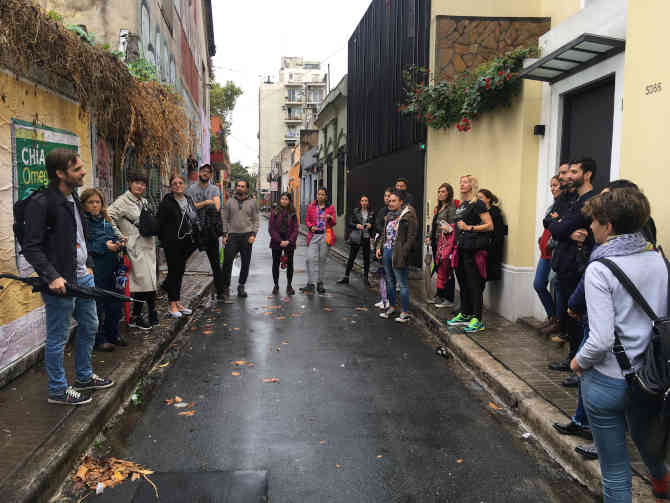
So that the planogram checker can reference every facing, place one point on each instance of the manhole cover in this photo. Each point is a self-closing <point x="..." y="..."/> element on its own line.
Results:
<point x="203" y="487"/>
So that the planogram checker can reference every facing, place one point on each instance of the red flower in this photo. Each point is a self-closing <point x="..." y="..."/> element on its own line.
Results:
<point x="500" y="73"/>
<point x="509" y="76"/>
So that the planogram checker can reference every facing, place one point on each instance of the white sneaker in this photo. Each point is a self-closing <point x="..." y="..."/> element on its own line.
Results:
<point x="174" y="314"/>
<point x="388" y="313"/>
<point x="381" y="305"/>
<point x="186" y="311"/>
<point x="444" y="303"/>
<point x="435" y="300"/>
<point x="403" y="318"/>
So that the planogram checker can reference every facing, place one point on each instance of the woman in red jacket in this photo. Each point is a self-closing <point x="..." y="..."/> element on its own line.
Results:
<point x="320" y="220"/>
<point x="544" y="269"/>
<point x="283" y="229"/>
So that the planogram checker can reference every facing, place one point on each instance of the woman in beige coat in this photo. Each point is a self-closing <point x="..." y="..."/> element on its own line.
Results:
<point x="125" y="214"/>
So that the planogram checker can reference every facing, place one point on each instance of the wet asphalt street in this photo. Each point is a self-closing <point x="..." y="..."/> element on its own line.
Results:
<point x="363" y="410"/>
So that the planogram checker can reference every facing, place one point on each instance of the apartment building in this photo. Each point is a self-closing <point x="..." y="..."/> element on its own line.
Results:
<point x="285" y="108"/>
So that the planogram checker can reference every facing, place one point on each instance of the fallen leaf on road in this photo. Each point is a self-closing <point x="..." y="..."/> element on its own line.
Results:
<point x="239" y="362"/>
<point x="494" y="406"/>
<point x="251" y="365"/>
<point x="169" y="401"/>
<point x="361" y="309"/>
<point x="134" y="477"/>
<point x="187" y="413"/>
<point x="107" y="472"/>
<point x="271" y="379"/>
<point x="338" y="466"/>
<point x="178" y="399"/>
<point x="285" y="342"/>
<point x="267" y="313"/>
<point x="181" y="405"/>
<point x="208" y="332"/>
<point x="235" y="328"/>
<point x="163" y="365"/>
<point x="280" y="318"/>
<point x="81" y="473"/>
<point x="327" y="309"/>
<point x="379" y="456"/>
<point x="235" y="373"/>
<point x="459" y="461"/>
<point x="322" y="442"/>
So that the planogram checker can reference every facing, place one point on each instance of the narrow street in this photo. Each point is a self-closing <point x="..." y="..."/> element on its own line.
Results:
<point x="363" y="410"/>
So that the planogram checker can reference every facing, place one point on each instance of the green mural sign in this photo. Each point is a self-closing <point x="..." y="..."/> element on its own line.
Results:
<point x="32" y="144"/>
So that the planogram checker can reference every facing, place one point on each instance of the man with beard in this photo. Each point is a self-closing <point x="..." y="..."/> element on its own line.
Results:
<point x="240" y="225"/>
<point x="54" y="243"/>
<point x="574" y="244"/>
<point x="208" y="203"/>
<point x="401" y="186"/>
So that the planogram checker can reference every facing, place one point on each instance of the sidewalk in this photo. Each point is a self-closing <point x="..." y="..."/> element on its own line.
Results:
<point x="40" y="441"/>
<point x="511" y="359"/>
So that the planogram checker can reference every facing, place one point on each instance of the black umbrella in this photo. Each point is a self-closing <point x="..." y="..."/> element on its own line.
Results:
<point x="72" y="290"/>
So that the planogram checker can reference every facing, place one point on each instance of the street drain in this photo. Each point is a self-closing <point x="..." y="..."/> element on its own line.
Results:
<point x="203" y="487"/>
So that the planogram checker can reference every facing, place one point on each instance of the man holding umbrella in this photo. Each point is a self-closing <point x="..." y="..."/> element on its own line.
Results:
<point x="54" y="243"/>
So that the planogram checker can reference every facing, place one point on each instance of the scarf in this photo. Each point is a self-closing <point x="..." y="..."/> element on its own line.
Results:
<point x="621" y="245"/>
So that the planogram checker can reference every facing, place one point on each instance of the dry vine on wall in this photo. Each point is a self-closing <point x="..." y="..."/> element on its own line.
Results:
<point x="30" y="41"/>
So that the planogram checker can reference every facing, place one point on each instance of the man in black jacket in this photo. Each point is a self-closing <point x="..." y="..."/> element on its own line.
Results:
<point x="401" y="186"/>
<point x="574" y="244"/>
<point x="54" y="245"/>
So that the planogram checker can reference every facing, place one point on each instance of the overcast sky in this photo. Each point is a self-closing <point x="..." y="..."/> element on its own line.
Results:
<point x="251" y="37"/>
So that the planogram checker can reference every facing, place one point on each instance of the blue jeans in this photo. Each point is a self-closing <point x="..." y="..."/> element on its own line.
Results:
<point x="59" y="311"/>
<point x="580" y="417"/>
<point x="394" y="276"/>
<point x="540" y="284"/>
<point x="606" y="405"/>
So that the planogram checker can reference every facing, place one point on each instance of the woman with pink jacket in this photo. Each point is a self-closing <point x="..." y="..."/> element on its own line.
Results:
<point x="320" y="220"/>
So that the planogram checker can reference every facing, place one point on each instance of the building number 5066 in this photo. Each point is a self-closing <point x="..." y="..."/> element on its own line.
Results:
<point x="653" y="88"/>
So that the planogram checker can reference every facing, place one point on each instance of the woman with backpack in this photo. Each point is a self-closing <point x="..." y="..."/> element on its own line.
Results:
<point x="360" y="229"/>
<point x="494" y="255"/>
<point x="617" y="320"/>
<point x="125" y="215"/>
<point x="400" y="230"/>
<point x="283" y="227"/>
<point x="178" y="231"/>
<point x="473" y="236"/>
<point x="104" y="243"/>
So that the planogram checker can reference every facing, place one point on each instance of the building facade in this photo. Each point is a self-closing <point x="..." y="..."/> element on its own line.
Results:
<point x="332" y="124"/>
<point x="383" y="144"/>
<point x="593" y="55"/>
<point x="285" y="108"/>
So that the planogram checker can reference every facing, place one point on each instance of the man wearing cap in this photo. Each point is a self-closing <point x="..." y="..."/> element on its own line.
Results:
<point x="207" y="201"/>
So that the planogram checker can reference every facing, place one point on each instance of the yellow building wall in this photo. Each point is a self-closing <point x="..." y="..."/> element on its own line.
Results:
<point x="500" y="150"/>
<point x="645" y="157"/>
<point x="25" y="101"/>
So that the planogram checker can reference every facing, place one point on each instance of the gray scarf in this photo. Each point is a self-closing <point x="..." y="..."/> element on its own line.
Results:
<point x="621" y="245"/>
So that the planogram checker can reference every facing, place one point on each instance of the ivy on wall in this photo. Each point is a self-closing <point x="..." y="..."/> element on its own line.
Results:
<point x="129" y="105"/>
<point x="470" y="94"/>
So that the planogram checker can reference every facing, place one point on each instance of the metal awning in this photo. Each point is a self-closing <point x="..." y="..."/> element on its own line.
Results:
<point x="575" y="56"/>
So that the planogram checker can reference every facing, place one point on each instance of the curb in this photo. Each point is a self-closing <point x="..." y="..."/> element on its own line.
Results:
<point x="43" y="473"/>
<point x="537" y="414"/>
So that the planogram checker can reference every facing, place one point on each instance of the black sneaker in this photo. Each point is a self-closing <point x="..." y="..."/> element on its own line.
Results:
<point x="308" y="288"/>
<point x="139" y="322"/>
<point x="343" y="281"/>
<point x="153" y="319"/>
<point x="71" y="397"/>
<point x="587" y="451"/>
<point x="572" y="428"/>
<point x="563" y="366"/>
<point x="320" y="288"/>
<point x="275" y="290"/>
<point x="241" y="292"/>
<point x="120" y="342"/>
<point x="290" y="290"/>
<point x="95" y="382"/>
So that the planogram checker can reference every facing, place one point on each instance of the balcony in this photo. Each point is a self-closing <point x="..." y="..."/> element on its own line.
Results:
<point x="291" y="138"/>
<point x="295" y="99"/>
<point x="320" y="83"/>
<point x="293" y="118"/>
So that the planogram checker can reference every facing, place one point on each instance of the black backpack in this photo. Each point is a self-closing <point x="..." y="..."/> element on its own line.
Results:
<point x="20" y="214"/>
<point x="147" y="224"/>
<point x="651" y="384"/>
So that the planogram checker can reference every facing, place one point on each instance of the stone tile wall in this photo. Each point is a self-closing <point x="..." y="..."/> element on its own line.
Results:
<point x="463" y="43"/>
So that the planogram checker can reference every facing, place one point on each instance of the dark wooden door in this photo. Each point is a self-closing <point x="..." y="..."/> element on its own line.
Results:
<point x="587" y="127"/>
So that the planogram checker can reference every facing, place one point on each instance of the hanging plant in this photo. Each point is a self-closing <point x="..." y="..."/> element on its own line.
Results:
<point x="467" y="96"/>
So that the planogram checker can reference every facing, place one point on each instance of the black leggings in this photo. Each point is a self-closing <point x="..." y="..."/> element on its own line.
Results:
<point x="149" y="298"/>
<point x="276" y="258"/>
<point x="176" y="255"/>
<point x="471" y="284"/>
<point x="353" y="252"/>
